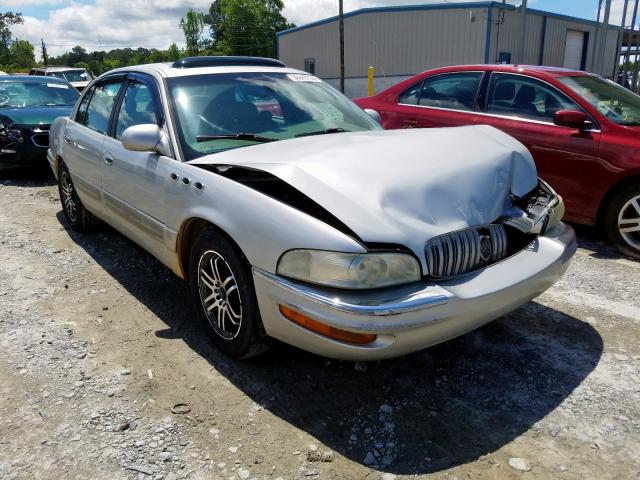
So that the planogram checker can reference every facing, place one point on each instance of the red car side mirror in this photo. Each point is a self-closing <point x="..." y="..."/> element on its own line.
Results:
<point x="572" y="119"/>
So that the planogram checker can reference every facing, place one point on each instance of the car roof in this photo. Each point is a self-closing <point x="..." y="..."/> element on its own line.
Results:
<point x="167" y="70"/>
<point x="57" y="68"/>
<point x="515" y="68"/>
<point x="30" y="79"/>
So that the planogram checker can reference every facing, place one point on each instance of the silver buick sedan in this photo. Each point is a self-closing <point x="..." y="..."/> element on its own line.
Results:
<point x="293" y="215"/>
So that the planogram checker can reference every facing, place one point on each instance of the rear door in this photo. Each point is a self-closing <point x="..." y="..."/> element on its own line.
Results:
<point x="524" y="107"/>
<point x="443" y="100"/>
<point x="83" y="138"/>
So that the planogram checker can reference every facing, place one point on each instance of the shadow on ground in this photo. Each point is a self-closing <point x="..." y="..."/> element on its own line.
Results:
<point x="32" y="177"/>
<point x="450" y="404"/>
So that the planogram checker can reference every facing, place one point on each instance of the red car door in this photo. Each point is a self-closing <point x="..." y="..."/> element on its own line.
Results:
<point x="444" y="100"/>
<point x="565" y="157"/>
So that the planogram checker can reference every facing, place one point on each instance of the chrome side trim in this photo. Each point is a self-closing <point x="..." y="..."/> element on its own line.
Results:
<point x="426" y="298"/>
<point x="494" y="115"/>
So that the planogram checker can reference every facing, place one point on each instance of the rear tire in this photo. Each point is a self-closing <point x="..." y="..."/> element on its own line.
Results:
<point x="622" y="221"/>
<point x="221" y="283"/>
<point x="79" y="218"/>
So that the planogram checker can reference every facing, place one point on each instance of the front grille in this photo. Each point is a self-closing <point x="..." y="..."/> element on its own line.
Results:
<point x="464" y="251"/>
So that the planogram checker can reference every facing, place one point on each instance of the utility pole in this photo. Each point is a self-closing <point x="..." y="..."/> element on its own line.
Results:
<point x="523" y="41"/>
<point x="595" y="39"/>
<point x="45" y="57"/>
<point x="341" y="46"/>
<point x="603" y="40"/>
<point x="621" y="35"/>
<point x="627" y="56"/>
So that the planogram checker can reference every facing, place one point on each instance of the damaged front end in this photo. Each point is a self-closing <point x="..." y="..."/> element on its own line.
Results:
<point x="535" y="212"/>
<point x="470" y="249"/>
<point x="11" y="138"/>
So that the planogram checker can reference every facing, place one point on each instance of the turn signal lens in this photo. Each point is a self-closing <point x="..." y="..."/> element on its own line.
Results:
<point x="325" y="330"/>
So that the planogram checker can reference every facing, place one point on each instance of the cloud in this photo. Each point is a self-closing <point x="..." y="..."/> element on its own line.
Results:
<point x="108" y="24"/>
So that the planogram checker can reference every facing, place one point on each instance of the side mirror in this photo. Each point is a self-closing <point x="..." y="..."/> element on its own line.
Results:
<point x="373" y="114"/>
<point x="142" y="138"/>
<point x="572" y="119"/>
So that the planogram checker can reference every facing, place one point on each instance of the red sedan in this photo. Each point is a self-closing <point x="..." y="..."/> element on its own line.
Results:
<point x="582" y="130"/>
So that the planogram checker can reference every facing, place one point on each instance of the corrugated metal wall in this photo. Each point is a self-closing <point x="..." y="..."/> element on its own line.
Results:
<point x="506" y="36"/>
<point x="395" y="43"/>
<point x="404" y="42"/>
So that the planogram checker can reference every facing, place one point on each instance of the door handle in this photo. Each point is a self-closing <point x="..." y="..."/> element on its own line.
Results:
<point x="66" y="138"/>
<point x="108" y="159"/>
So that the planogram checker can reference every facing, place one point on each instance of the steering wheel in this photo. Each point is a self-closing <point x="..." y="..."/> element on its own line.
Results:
<point x="4" y="98"/>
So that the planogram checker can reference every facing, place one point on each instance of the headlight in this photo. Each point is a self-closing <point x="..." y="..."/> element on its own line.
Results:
<point x="349" y="270"/>
<point x="9" y="132"/>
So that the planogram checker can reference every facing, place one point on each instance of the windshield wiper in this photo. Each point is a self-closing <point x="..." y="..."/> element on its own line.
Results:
<point x="323" y="132"/>
<point x="251" y="137"/>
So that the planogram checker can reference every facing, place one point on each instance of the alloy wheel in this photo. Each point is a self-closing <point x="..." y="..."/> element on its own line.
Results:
<point x="219" y="295"/>
<point x="629" y="222"/>
<point x="66" y="188"/>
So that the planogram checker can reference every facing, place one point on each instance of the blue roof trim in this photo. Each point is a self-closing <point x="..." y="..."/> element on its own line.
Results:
<point x="438" y="6"/>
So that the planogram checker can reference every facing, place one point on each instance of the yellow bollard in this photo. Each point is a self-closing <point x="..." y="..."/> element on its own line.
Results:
<point x="370" y="90"/>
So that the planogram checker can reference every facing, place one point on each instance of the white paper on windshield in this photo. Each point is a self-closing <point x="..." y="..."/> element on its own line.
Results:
<point x="57" y="85"/>
<point x="301" y="77"/>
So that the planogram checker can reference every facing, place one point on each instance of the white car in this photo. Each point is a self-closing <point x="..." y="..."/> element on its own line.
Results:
<point x="294" y="216"/>
<point x="76" y="76"/>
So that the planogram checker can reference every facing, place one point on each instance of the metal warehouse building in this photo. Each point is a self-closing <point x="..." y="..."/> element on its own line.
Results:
<point x="400" y="41"/>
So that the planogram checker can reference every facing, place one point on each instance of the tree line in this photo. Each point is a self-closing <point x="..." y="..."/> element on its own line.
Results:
<point x="230" y="27"/>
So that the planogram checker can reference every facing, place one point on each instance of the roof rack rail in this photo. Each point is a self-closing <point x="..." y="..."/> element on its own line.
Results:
<point x="229" y="61"/>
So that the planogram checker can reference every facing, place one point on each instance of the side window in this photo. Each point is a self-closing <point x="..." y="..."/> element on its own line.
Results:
<point x="411" y="95"/>
<point x="100" y="106"/>
<point x="81" y="114"/>
<point x="524" y="97"/>
<point x="455" y="91"/>
<point x="138" y="107"/>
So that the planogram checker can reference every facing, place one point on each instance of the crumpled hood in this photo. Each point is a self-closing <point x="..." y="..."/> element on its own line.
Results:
<point x="42" y="115"/>
<point x="399" y="186"/>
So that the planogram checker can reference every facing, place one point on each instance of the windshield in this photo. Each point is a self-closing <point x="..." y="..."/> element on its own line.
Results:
<point x="271" y="106"/>
<point x="80" y="75"/>
<point x="30" y="93"/>
<point x="615" y="102"/>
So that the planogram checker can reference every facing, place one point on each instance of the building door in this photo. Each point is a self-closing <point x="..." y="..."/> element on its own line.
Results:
<point x="573" y="50"/>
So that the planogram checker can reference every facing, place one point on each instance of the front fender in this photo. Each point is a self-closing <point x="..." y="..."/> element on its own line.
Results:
<point x="263" y="227"/>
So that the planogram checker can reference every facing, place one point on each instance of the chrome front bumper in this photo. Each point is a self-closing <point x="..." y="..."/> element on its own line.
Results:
<point x="416" y="316"/>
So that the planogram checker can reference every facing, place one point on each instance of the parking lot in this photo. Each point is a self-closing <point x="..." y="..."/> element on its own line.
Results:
<point x="104" y="374"/>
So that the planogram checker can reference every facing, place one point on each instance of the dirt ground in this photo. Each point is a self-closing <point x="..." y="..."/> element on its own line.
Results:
<point x="98" y="345"/>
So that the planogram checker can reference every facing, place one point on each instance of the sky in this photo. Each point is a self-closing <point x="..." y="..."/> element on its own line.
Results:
<point x="108" y="24"/>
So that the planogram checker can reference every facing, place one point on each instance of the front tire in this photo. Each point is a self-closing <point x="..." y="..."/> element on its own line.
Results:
<point x="222" y="286"/>
<point x="79" y="218"/>
<point x="623" y="221"/>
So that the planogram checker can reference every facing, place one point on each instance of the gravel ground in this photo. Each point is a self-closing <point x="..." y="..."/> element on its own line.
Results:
<point x="104" y="374"/>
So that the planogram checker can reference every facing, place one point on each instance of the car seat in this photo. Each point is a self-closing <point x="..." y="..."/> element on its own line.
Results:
<point x="524" y="100"/>
<point x="503" y="96"/>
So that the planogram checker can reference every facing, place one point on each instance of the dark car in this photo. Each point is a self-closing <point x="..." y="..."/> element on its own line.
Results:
<point x="28" y="107"/>
<point x="582" y="130"/>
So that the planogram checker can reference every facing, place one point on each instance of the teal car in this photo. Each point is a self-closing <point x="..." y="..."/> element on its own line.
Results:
<point x="28" y="107"/>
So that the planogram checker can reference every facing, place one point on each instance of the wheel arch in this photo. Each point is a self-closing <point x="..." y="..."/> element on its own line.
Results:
<point x="633" y="179"/>
<point x="187" y="235"/>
